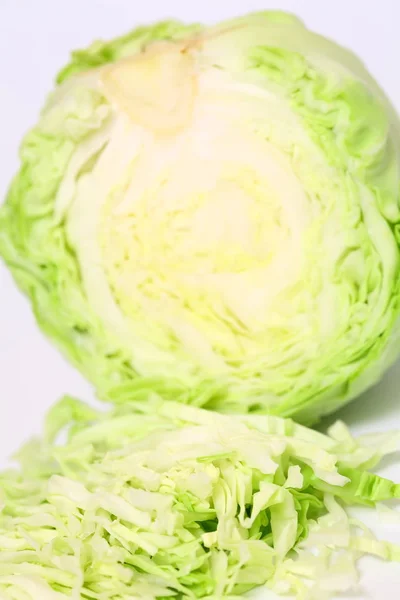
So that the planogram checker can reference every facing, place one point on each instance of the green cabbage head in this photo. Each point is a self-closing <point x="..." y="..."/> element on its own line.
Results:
<point x="213" y="213"/>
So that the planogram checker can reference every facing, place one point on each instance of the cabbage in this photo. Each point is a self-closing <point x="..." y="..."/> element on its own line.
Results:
<point x="159" y="500"/>
<point x="213" y="213"/>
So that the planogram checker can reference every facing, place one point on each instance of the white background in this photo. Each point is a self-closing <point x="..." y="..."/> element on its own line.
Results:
<point x="36" y="37"/>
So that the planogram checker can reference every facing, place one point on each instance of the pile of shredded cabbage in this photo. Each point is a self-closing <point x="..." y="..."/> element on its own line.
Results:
<point x="161" y="500"/>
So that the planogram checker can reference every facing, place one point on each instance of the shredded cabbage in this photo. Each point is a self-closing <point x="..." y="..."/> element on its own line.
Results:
<point x="160" y="500"/>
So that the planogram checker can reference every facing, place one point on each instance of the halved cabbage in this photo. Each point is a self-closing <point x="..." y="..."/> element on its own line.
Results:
<point x="159" y="500"/>
<point x="214" y="213"/>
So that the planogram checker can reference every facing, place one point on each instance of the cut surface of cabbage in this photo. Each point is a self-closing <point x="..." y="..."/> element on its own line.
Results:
<point x="215" y="212"/>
